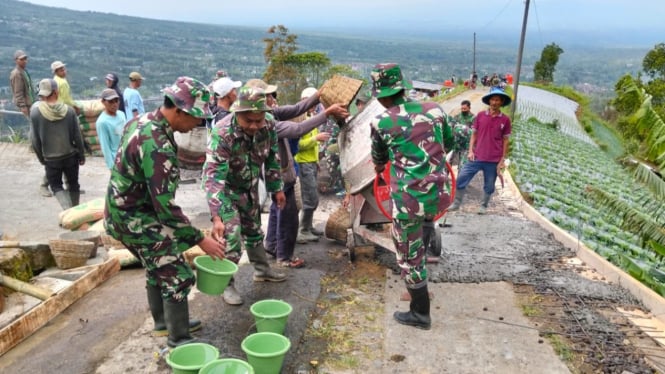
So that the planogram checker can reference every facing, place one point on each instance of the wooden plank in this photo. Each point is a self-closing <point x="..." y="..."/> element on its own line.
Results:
<point x="37" y="317"/>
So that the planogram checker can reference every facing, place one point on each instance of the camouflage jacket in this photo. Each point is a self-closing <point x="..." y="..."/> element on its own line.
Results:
<point x="140" y="202"/>
<point x="466" y="119"/>
<point x="410" y="136"/>
<point x="234" y="162"/>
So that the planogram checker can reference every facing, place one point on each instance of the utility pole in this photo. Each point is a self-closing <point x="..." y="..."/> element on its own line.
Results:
<point x="519" y="60"/>
<point x="474" y="52"/>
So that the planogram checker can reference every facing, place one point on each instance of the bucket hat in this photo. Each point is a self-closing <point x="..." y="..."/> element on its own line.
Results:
<point x="387" y="80"/>
<point x="258" y="83"/>
<point x="191" y="96"/>
<point x="497" y="91"/>
<point x="250" y="99"/>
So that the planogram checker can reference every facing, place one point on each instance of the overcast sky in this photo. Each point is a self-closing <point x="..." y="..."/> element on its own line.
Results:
<point x="434" y="15"/>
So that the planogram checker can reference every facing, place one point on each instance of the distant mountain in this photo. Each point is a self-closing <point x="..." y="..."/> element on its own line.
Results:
<point x="93" y="43"/>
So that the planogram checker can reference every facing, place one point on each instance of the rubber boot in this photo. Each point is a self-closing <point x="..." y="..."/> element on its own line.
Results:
<point x="308" y="225"/>
<point x="176" y="315"/>
<point x="457" y="203"/>
<point x="484" y="204"/>
<point x="156" y="304"/>
<point x="231" y="295"/>
<point x="43" y="187"/>
<point x="418" y="314"/>
<point x="76" y="197"/>
<point x="64" y="199"/>
<point x="262" y="271"/>
<point x="304" y="233"/>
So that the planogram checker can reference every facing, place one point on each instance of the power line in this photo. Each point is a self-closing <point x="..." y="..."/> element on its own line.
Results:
<point x="499" y="14"/>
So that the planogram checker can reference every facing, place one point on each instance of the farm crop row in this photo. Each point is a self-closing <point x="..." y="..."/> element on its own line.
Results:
<point x="553" y="170"/>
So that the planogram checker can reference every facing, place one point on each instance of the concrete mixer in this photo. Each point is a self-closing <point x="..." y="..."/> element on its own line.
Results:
<point x="370" y="203"/>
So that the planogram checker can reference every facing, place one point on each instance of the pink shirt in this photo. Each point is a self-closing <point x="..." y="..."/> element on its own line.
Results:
<point x="490" y="131"/>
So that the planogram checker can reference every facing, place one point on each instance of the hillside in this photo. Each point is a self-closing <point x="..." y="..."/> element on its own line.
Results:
<point x="93" y="43"/>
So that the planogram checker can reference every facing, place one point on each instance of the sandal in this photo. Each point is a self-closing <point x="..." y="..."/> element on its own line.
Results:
<point x="294" y="263"/>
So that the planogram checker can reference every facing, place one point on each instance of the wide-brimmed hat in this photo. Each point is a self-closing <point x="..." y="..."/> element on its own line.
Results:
<point x="191" y="96"/>
<point x="258" y="83"/>
<point x="250" y="99"/>
<point x="387" y="80"/>
<point x="497" y="91"/>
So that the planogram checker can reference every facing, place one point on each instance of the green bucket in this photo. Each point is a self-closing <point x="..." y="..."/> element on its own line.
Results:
<point x="212" y="276"/>
<point x="190" y="358"/>
<point x="270" y="315"/>
<point x="227" y="366"/>
<point x="265" y="351"/>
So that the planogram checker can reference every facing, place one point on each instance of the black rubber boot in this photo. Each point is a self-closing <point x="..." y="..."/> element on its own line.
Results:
<point x="64" y="199"/>
<point x="418" y="314"/>
<point x="156" y="304"/>
<point x="457" y="202"/>
<point x="176" y="315"/>
<point x="75" y="197"/>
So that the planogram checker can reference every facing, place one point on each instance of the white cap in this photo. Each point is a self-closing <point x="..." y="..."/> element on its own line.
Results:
<point x="223" y="86"/>
<point x="307" y="93"/>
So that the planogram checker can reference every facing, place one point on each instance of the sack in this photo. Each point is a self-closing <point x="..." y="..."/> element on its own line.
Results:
<point x="84" y="213"/>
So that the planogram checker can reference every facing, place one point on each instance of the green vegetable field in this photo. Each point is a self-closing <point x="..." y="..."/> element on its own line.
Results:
<point x="553" y="170"/>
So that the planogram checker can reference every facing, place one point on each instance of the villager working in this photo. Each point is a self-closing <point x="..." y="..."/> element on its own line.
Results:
<point x="488" y="148"/>
<point x="58" y="143"/>
<point x="141" y="212"/>
<point x="409" y="134"/>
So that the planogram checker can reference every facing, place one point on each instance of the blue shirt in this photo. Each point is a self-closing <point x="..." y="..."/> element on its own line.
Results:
<point x="109" y="132"/>
<point x="133" y="101"/>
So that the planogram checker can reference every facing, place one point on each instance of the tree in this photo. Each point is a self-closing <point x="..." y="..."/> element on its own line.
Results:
<point x="654" y="62"/>
<point x="543" y="70"/>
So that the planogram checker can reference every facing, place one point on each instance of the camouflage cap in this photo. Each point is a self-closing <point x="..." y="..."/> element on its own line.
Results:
<point x="191" y="96"/>
<point x="250" y="99"/>
<point x="387" y="80"/>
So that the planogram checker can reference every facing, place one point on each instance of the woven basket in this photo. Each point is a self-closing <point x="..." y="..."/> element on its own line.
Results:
<point x="109" y="242"/>
<point x="70" y="253"/>
<point x="338" y="222"/>
<point x="339" y="90"/>
<point x="91" y="236"/>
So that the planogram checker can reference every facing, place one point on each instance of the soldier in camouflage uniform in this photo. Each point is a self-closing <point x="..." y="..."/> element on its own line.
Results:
<point x="462" y="132"/>
<point x="141" y="211"/>
<point x="241" y="145"/>
<point x="410" y="136"/>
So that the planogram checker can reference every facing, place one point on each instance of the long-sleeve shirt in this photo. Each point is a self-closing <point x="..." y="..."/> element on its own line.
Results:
<point x="58" y="138"/>
<point x="233" y="165"/>
<point x="308" y="148"/>
<point x="64" y="92"/>
<point x="109" y="132"/>
<point x="410" y="136"/>
<point x="22" y="89"/>
<point x="140" y="202"/>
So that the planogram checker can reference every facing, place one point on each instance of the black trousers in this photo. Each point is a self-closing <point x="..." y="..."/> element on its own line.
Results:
<point x="69" y="167"/>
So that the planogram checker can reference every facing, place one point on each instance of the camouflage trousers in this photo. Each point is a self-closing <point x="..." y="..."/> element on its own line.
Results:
<point x="166" y="267"/>
<point x="409" y="249"/>
<point x="242" y="224"/>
